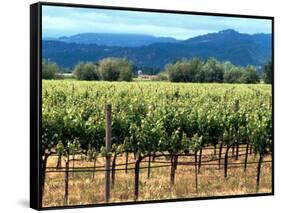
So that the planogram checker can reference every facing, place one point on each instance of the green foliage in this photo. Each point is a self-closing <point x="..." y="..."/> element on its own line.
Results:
<point x="175" y="74"/>
<point x="175" y="142"/>
<point x="86" y="71"/>
<point x="233" y="75"/>
<point x="196" y="143"/>
<point x="250" y="75"/>
<point x="185" y="143"/>
<point x="73" y="146"/>
<point x="69" y="148"/>
<point x="153" y="117"/>
<point x="210" y="70"/>
<point x="49" y="69"/>
<point x="213" y="71"/>
<point x="116" y="69"/>
<point x="91" y="154"/>
<point x="267" y="73"/>
<point x="117" y="149"/>
<point x="260" y="130"/>
<point x="184" y="70"/>
<point x="104" y="153"/>
<point x="60" y="148"/>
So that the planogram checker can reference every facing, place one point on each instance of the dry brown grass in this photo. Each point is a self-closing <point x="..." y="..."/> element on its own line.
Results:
<point x="86" y="189"/>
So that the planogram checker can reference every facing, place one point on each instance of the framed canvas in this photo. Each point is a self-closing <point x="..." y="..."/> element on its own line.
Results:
<point x="134" y="105"/>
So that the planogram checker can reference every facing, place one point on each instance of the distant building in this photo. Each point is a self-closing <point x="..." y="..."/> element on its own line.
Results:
<point x="147" y="77"/>
<point x="144" y="76"/>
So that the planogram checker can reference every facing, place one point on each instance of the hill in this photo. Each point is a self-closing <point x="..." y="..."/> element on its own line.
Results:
<point x="227" y="45"/>
<point x="119" y="40"/>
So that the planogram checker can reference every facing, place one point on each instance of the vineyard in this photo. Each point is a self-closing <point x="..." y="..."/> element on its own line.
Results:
<point x="119" y="141"/>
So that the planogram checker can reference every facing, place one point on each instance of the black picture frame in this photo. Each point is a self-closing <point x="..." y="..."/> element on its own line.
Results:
<point x="36" y="102"/>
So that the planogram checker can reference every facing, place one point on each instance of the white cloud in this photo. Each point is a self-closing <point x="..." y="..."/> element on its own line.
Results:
<point x="64" y="21"/>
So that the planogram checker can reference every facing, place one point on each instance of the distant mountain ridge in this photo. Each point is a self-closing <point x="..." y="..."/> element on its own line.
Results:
<point x="227" y="45"/>
<point x="119" y="40"/>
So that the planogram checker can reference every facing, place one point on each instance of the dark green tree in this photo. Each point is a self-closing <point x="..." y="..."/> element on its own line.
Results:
<point x="116" y="69"/>
<point x="233" y="75"/>
<point x="49" y="69"/>
<point x="250" y="75"/>
<point x="267" y="73"/>
<point x="175" y="74"/>
<point x="86" y="71"/>
<point x="195" y="66"/>
<point x="184" y="70"/>
<point x="213" y="71"/>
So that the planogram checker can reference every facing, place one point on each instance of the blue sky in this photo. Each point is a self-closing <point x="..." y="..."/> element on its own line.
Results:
<point x="66" y="21"/>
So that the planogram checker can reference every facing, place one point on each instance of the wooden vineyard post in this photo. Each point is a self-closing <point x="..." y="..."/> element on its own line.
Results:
<point x="66" y="179"/>
<point x="200" y="157"/>
<point x="220" y="151"/>
<point x="173" y="170"/>
<point x="126" y="164"/>
<point x="149" y="165"/>
<point x="107" y="148"/>
<point x="196" y="173"/>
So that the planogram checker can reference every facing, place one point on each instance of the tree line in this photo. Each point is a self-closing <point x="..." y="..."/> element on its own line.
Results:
<point x="183" y="70"/>
<point x="108" y="69"/>
<point x="211" y="70"/>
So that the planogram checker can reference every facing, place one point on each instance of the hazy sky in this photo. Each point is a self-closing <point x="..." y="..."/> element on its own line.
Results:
<point x="66" y="21"/>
